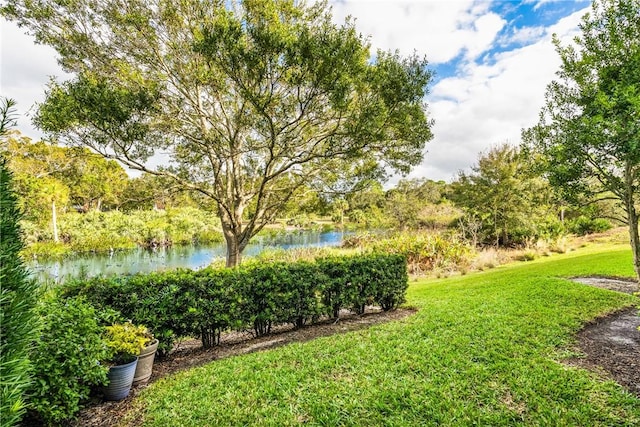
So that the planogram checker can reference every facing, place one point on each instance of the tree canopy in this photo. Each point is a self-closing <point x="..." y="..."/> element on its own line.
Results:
<point x="504" y="201"/>
<point x="589" y="128"/>
<point x="244" y="102"/>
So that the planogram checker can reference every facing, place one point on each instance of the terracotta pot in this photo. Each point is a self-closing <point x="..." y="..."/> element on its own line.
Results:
<point x="120" y="380"/>
<point x="145" y="363"/>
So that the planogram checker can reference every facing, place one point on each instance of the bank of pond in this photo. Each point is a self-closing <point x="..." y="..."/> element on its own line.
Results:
<point x="147" y="260"/>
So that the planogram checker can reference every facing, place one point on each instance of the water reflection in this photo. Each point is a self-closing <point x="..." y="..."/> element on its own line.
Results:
<point x="194" y="257"/>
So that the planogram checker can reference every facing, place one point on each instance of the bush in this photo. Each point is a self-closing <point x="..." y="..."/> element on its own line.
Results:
<point x="584" y="225"/>
<point x="261" y="289"/>
<point x="66" y="360"/>
<point x="210" y="304"/>
<point x="18" y="296"/>
<point x="354" y="282"/>
<point x="426" y="251"/>
<point x="105" y="231"/>
<point x="390" y="273"/>
<point x="148" y="299"/>
<point x="207" y="302"/>
<point x="125" y="341"/>
<point x="301" y="293"/>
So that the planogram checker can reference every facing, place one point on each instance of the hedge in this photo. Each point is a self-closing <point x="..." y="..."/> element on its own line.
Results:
<point x="255" y="296"/>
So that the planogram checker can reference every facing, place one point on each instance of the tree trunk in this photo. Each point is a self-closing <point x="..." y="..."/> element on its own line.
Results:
<point x="235" y="246"/>
<point x="635" y="242"/>
<point x="632" y="219"/>
<point x="234" y="255"/>
<point x="634" y="235"/>
<point x="54" y="220"/>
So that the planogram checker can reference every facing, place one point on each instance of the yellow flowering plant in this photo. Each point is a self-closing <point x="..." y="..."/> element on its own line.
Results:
<point x="125" y="341"/>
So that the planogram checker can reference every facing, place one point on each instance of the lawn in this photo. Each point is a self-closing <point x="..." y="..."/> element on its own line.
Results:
<point x="484" y="349"/>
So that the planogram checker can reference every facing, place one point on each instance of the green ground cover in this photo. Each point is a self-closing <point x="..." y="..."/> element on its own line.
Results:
<point x="483" y="349"/>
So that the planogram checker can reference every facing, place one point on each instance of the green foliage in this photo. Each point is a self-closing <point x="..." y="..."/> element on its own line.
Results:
<point x="125" y="341"/>
<point x="357" y="281"/>
<point x="424" y="251"/>
<point x="47" y="250"/>
<point x="7" y="115"/>
<point x="413" y="203"/>
<point x="584" y="225"/>
<point x="66" y="359"/>
<point x="587" y="133"/>
<point x="211" y="304"/>
<point x="257" y="295"/>
<point x="18" y="296"/>
<point x="146" y="299"/>
<point x="261" y="288"/>
<point x="115" y="230"/>
<point x="505" y="202"/>
<point x="301" y="293"/>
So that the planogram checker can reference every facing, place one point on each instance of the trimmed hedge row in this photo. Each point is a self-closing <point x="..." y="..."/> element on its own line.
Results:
<point x="255" y="296"/>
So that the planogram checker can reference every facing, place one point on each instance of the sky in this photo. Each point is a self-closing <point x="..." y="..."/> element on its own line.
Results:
<point x="492" y="62"/>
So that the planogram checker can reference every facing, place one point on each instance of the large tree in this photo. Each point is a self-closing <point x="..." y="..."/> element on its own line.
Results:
<point x="247" y="101"/>
<point x="589" y="129"/>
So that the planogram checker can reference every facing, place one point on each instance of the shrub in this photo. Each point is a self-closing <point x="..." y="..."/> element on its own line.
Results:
<point x="335" y="290"/>
<point x="390" y="273"/>
<point x="301" y="294"/>
<point x="46" y="250"/>
<point x="260" y="287"/>
<point x="584" y="225"/>
<point x="210" y="304"/>
<point x="66" y="359"/>
<point x="18" y="296"/>
<point x="356" y="281"/>
<point x="257" y="295"/>
<point x="149" y="299"/>
<point x="125" y="341"/>
<point x="426" y="251"/>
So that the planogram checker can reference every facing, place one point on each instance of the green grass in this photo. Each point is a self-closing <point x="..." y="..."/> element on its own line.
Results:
<point x="484" y="349"/>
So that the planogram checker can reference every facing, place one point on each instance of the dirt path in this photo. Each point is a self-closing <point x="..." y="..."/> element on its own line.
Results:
<point x="612" y="343"/>
<point x="619" y="285"/>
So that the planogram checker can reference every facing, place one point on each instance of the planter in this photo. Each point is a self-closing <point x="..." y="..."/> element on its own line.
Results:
<point x="145" y="363"/>
<point x="120" y="380"/>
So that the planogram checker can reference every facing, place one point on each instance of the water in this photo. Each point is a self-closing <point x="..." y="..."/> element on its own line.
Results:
<point x="193" y="257"/>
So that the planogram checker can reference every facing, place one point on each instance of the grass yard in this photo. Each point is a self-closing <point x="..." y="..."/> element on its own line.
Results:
<point x="484" y="349"/>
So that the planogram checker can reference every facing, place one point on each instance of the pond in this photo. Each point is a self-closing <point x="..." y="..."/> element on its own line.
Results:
<point x="194" y="257"/>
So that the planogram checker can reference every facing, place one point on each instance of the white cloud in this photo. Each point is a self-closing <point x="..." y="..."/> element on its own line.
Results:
<point x="489" y="104"/>
<point x="524" y="35"/>
<point x="25" y="68"/>
<point x="540" y="3"/>
<point x="440" y="29"/>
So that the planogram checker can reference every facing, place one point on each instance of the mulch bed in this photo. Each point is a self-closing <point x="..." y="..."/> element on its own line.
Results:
<point x="611" y="344"/>
<point x="189" y="354"/>
<point x="612" y="347"/>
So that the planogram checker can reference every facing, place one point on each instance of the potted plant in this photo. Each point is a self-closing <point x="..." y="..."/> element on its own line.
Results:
<point x="125" y="341"/>
<point x="145" y="359"/>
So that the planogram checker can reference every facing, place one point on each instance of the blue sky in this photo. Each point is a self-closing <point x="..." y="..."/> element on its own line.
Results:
<point x="493" y="60"/>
